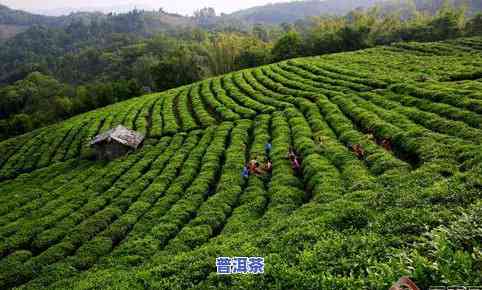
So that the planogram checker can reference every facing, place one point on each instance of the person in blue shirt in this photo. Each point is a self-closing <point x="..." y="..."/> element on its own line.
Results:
<point x="245" y="171"/>
<point x="267" y="148"/>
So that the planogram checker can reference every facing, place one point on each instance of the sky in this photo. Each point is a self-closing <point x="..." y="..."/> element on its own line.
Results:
<point x="183" y="7"/>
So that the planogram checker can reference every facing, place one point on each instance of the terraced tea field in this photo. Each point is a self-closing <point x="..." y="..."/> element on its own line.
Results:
<point x="157" y="219"/>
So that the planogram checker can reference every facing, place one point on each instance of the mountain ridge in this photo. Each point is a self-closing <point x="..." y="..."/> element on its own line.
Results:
<point x="270" y="14"/>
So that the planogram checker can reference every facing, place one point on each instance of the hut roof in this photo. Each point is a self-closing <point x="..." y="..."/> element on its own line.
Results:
<point x="122" y="135"/>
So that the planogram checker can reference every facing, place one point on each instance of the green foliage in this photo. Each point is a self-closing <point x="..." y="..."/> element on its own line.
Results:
<point x="39" y="100"/>
<point x="474" y="26"/>
<point x="408" y="205"/>
<point x="288" y="46"/>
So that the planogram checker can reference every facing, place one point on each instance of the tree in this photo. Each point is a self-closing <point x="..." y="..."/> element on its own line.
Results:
<point x="323" y="36"/>
<point x="180" y="67"/>
<point x="354" y="37"/>
<point x="83" y="100"/>
<point x="204" y="16"/>
<point x="288" y="46"/>
<point x="142" y="70"/>
<point x="4" y="129"/>
<point x="222" y="51"/>
<point x="20" y="124"/>
<point x="448" y="23"/>
<point x="474" y="26"/>
<point x="62" y="107"/>
<point x="253" y="57"/>
<point x="261" y="32"/>
<point x="104" y="94"/>
<point x="10" y="101"/>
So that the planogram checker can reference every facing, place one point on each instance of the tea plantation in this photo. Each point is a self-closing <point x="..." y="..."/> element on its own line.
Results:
<point x="159" y="218"/>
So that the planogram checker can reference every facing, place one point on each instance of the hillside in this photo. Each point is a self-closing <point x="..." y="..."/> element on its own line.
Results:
<point x="22" y="18"/>
<point x="13" y="22"/>
<point x="157" y="219"/>
<point x="9" y="16"/>
<point x="292" y="11"/>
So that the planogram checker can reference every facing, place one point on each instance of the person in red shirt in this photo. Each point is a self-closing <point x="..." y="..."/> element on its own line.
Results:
<point x="269" y="165"/>
<point x="358" y="150"/>
<point x="291" y="153"/>
<point x="295" y="164"/>
<point x="387" y="144"/>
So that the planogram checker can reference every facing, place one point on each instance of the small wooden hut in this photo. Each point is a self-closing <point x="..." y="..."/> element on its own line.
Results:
<point x="116" y="142"/>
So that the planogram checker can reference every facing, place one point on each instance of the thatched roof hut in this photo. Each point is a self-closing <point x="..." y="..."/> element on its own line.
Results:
<point x="116" y="142"/>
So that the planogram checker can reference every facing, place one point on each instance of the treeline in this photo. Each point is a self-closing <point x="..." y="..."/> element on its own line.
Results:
<point x="39" y="99"/>
<point x="292" y="11"/>
<point x="93" y="65"/>
<point x="364" y="29"/>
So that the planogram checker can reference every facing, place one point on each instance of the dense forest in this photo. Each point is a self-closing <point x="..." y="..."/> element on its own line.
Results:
<point x="58" y="68"/>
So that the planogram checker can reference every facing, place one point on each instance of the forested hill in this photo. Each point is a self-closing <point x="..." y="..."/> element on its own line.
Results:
<point x="10" y="16"/>
<point x="21" y="19"/>
<point x="148" y="21"/>
<point x="285" y="12"/>
<point x="291" y="12"/>
<point x="407" y="202"/>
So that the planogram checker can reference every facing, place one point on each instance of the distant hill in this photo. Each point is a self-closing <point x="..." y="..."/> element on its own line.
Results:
<point x="290" y="12"/>
<point x="21" y="18"/>
<point x="473" y="6"/>
<point x="14" y="17"/>
<point x="14" y="21"/>
<point x="120" y="8"/>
